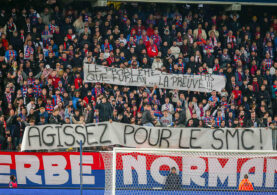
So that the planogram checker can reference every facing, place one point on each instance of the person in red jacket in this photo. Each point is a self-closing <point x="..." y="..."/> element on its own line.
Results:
<point x="55" y="79"/>
<point x="237" y="95"/>
<point x="152" y="49"/>
<point x="77" y="81"/>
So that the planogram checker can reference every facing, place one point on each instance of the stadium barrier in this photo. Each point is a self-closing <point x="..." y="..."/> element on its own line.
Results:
<point x="62" y="170"/>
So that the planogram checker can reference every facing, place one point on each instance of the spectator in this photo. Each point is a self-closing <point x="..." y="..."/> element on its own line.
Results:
<point x="173" y="181"/>
<point x="42" y="80"/>
<point x="12" y="183"/>
<point x="147" y="119"/>
<point x="105" y="109"/>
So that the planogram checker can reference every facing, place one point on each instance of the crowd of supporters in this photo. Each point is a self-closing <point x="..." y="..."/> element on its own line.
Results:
<point x="42" y="51"/>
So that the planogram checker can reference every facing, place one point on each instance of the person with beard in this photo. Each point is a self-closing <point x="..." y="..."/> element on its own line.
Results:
<point x="253" y="120"/>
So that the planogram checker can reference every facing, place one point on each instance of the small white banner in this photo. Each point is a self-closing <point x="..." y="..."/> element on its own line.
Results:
<point x="148" y="77"/>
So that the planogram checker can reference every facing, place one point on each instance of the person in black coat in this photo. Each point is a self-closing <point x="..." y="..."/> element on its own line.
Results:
<point x="90" y="113"/>
<point x="2" y="133"/>
<point x="55" y="118"/>
<point x="17" y="131"/>
<point x="173" y="181"/>
<point x="147" y="119"/>
<point x="105" y="110"/>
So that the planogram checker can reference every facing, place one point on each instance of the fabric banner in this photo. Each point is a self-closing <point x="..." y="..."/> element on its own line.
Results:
<point x="148" y="77"/>
<point x="55" y="169"/>
<point x="146" y="170"/>
<point x="135" y="170"/>
<point x="104" y="134"/>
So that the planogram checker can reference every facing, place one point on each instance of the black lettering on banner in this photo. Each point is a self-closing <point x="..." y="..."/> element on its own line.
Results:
<point x="228" y="132"/>
<point x="142" y="80"/>
<point x="90" y="134"/>
<point x="139" y="71"/>
<point x="218" y="139"/>
<point x="103" y="77"/>
<point x="212" y="85"/>
<point x="127" y="79"/>
<point x="200" y="86"/>
<point x="98" y="77"/>
<point x="120" y="72"/>
<point x="131" y="72"/>
<point x="149" y="137"/>
<point x="184" y="81"/>
<point x="188" y="83"/>
<point x="30" y="136"/>
<point x="113" y="73"/>
<point x="92" y="68"/>
<point x="80" y="133"/>
<point x="160" y="81"/>
<point x="90" y="77"/>
<point x="242" y="139"/>
<point x="128" y="132"/>
<point x="180" y="140"/>
<point x="146" y="135"/>
<point x="211" y="78"/>
<point x="48" y="135"/>
<point x="164" y="137"/>
<point x="114" y="77"/>
<point x="180" y="82"/>
<point x="193" y="138"/>
<point x="165" y="84"/>
<point x="68" y="134"/>
<point x="103" y="133"/>
<point x="174" y="80"/>
<point x="59" y="136"/>
<point x="194" y="83"/>
<point x="147" y="72"/>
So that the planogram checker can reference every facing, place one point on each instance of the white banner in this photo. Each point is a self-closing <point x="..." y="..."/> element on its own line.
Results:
<point x="148" y="77"/>
<point x="106" y="133"/>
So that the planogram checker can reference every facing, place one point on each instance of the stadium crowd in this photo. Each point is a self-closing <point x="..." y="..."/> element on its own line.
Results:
<point x="41" y="67"/>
